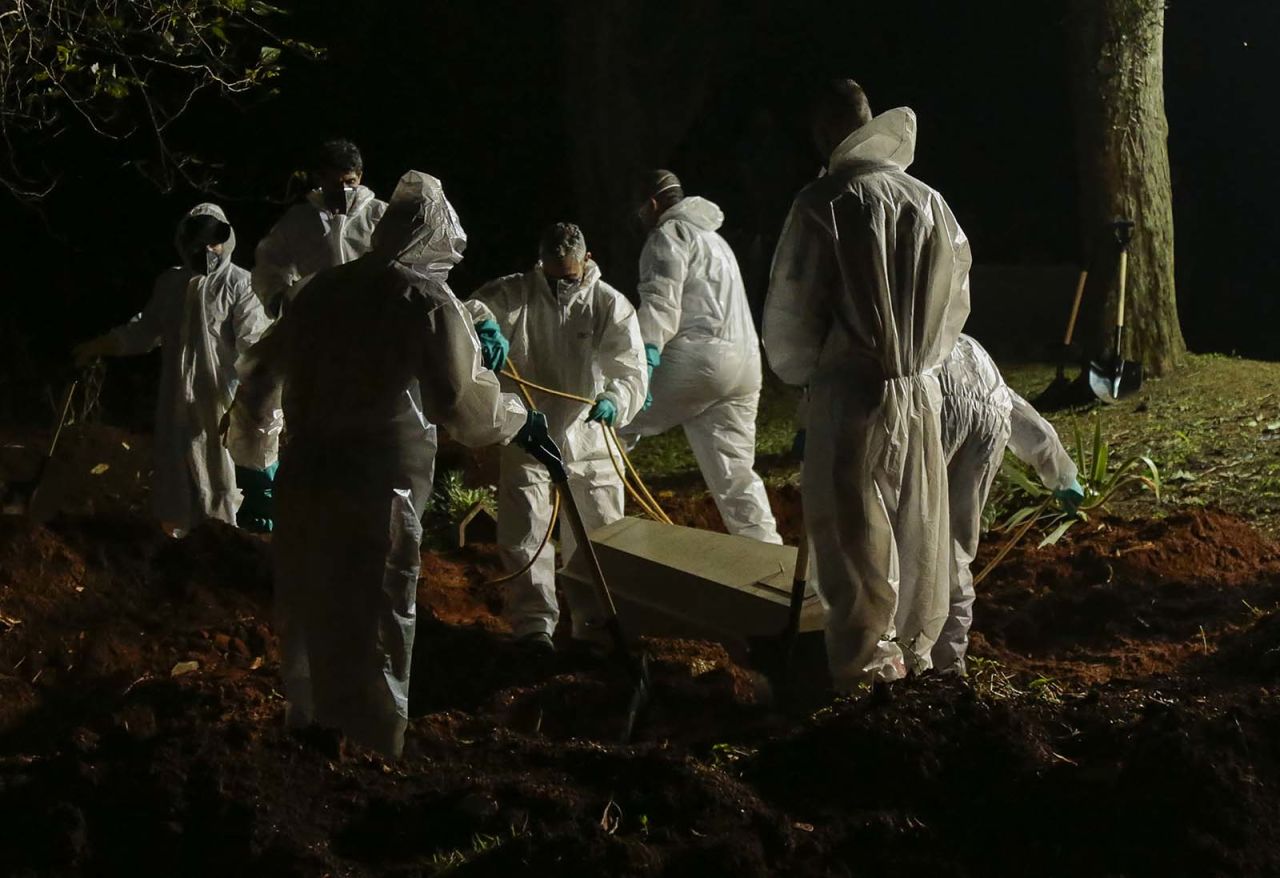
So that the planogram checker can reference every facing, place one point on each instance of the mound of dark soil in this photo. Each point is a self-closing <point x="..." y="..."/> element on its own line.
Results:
<point x="1184" y="577"/>
<point x="112" y="764"/>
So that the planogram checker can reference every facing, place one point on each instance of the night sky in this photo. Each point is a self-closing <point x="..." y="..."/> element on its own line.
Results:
<point x="476" y="94"/>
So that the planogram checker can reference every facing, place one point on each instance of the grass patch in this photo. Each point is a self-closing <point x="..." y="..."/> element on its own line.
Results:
<point x="1213" y="428"/>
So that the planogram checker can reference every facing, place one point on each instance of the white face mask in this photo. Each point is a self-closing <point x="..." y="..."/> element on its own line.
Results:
<point x="562" y="286"/>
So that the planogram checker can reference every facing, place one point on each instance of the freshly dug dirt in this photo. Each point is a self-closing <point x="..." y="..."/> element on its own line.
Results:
<point x="1127" y="599"/>
<point x="1122" y="720"/>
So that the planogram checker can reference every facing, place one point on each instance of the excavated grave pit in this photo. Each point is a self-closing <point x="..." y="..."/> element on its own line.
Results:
<point x="1152" y="749"/>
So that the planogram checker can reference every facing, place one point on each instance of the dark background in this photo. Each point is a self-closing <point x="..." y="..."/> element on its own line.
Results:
<point x="483" y="95"/>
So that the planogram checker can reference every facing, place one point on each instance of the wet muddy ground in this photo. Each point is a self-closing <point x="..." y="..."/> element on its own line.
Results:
<point x="1121" y="719"/>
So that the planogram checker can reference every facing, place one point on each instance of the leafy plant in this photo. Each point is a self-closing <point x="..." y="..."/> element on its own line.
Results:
<point x="1100" y="480"/>
<point x="453" y="498"/>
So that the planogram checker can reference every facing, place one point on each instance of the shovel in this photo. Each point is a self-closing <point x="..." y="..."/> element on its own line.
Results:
<point x="20" y="496"/>
<point x="1063" y="391"/>
<point x="548" y="454"/>
<point x="775" y="655"/>
<point x="1119" y="378"/>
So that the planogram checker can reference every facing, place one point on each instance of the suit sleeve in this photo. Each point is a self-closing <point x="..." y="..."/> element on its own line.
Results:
<point x="257" y="415"/>
<point x="961" y="261"/>
<point x="1033" y="440"/>
<point x="274" y="268"/>
<point x="798" y="310"/>
<point x="458" y="393"/>
<point x="620" y="351"/>
<point x="664" y="264"/>
<point x="144" y="332"/>
<point x="249" y="320"/>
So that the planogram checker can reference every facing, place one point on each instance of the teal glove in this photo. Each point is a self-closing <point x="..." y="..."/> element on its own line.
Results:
<point x="1070" y="497"/>
<point x="494" y="346"/>
<point x="534" y="433"/>
<point x="653" y="357"/>
<point x="603" y="411"/>
<point x="257" y="509"/>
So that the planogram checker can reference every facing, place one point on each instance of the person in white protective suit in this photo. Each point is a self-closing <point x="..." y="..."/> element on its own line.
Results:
<point x="867" y="295"/>
<point x="202" y="315"/>
<point x="333" y="225"/>
<point x="981" y="416"/>
<point x="696" y="325"/>
<point x="570" y="331"/>
<point x="371" y="356"/>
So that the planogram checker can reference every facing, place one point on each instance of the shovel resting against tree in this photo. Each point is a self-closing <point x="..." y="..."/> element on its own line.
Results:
<point x="1118" y="378"/>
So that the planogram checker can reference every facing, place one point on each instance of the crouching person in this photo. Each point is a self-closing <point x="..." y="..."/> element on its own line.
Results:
<point x="981" y="416"/>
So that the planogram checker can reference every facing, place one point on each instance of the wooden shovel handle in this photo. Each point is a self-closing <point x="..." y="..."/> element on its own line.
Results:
<point x="1075" y="308"/>
<point x="1124" y="271"/>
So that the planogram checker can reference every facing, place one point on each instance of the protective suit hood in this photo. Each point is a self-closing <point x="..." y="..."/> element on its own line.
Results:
<point x="695" y="210"/>
<point x="215" y="263"/>
<point x="420" y="229"/>
<point x="888" y="139"/>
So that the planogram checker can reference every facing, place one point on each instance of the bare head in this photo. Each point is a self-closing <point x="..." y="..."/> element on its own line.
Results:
<point x="839" y="108"/>
<point x="563" y="251"/>
<point x="657" y="192"/>
<point x="338" y="165"/>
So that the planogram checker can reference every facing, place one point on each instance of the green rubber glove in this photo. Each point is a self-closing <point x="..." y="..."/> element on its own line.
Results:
<point x="494" y="346"/>
<point x="603" y="411"/>
<point x="257" y="510"/>
<point x="653" y="357"/>
<point x="1070" y="497"/>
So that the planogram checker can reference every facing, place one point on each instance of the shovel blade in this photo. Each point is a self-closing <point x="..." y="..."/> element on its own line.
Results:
<point x="1111" y="383"/>
<point x="640" y="695"/>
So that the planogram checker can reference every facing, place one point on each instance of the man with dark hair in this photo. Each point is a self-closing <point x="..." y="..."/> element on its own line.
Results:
<point x="702" y="349"/>
<point x="332" y="226"/>
<point x="572" y="332"/>
<point x="868" y="294"/>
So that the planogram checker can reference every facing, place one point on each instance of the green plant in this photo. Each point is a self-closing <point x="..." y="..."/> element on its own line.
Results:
<point x="1100" y="481"/>
<point x="444" y="862"/>
<point x="453" y="499"/>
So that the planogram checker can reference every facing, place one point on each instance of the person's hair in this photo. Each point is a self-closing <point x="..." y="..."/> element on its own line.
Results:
<point x="338" y="155"/>
<point x="563" y="241"/>
<point x="843" y="100"/>
<point x="662" y="186"/>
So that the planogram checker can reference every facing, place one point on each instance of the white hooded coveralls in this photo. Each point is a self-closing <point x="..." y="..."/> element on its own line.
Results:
<point x="202" y="320"/>
<point x="585" y="341"/>
<point x="694" y="310"/>
<point x="981" y="415"/>
<point x="868" y="292"/>
<point x="371" y="355"/>
<point x="310" y="238"/>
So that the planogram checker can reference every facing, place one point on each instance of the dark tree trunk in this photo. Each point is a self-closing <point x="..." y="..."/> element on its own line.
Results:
<point x="1122" y="139"/>
<point x="636" y="78"/>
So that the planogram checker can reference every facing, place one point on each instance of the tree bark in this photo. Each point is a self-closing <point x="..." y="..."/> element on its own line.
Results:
<point x="1122" y="142"/>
